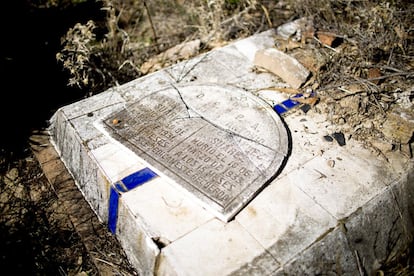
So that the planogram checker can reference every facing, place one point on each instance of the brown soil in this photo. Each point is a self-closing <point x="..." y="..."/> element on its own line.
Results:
<point x="362" y="60"/>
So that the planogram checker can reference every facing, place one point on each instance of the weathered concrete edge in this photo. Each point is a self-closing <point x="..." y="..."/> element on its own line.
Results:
<point x="349" y="248"/>
<point x="63" y="135"/>
<point x="398" y="199"/>
<point x="84" y="220"/>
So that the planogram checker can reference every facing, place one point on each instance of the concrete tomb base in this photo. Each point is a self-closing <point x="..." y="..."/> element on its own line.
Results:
<point x="195" y="173"/>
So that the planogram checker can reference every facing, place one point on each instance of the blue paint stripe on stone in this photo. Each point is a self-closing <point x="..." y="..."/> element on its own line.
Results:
<point x="287" y="104"/>
<point x="127" y="183"/>
<point x="113" y="209"/>
<point x="279" y="109"/>
<point x="138" y="178"/>
<point x="290" y="103"/>
<point x="120" y="187"/>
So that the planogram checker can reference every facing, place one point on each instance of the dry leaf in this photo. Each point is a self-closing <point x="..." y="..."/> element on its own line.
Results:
<point x="284" y="90"/>
<point x="287" y="45"/>
<point x="312" y="59"/>
<point x="326" y="38"/>
<point x="397" y="128"/>
<point x="353" y="88"/>
<point x="373" y="74"/>
<point x="400" y="32"/>
<point x="181" y="51"/>
<point x="311" y="101"/>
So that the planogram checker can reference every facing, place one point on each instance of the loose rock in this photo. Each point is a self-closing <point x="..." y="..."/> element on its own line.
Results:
<point x="282" y="65"/>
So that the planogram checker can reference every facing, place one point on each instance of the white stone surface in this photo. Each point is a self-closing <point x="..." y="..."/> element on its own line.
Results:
<point x="215" y="248"/>
<point x="166" y="212"/>
<point x="326" y="198"/>
<point x="138" y="244"/>
<point x="285" y="220"/>
<point x="351" y="183"/>
<point x="116" y="162"/>
<point x="330" y="256"/>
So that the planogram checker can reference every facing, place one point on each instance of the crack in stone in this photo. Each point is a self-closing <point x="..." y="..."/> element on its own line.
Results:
<point x="248" y="158"/>
<point x="216" y="125"/>
<point x="183" y="75"/>
<point x="244" y="156"/>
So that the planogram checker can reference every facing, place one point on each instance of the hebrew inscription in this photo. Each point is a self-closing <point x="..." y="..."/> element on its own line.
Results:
<point x="220" y="143"/>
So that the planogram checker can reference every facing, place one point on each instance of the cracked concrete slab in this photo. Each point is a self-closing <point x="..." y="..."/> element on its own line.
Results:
<point x="313" y="207"/>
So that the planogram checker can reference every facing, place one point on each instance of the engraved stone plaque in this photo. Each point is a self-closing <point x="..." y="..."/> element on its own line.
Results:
<point x="221" y="143"/>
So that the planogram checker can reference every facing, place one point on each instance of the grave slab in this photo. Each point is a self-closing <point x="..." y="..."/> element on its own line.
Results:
<point x="201" y="168"/>
<point x="218" y="142"/>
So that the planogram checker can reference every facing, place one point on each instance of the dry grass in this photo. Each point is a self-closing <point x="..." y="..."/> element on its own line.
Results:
<point x="370" y="61"/>
<point x="37" y="237"/>
<point x="138" y="30"/>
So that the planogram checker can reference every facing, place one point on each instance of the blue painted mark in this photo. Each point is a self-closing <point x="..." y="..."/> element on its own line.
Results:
<point x="113" y="210"/>
<point x="290" y="103"/>
<point x="138" y="178"/>
<point x="286" y="104"/>
<point x="120" y="187"/>
<point x="126" y="184"/>
<point x="279" y="109"/>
